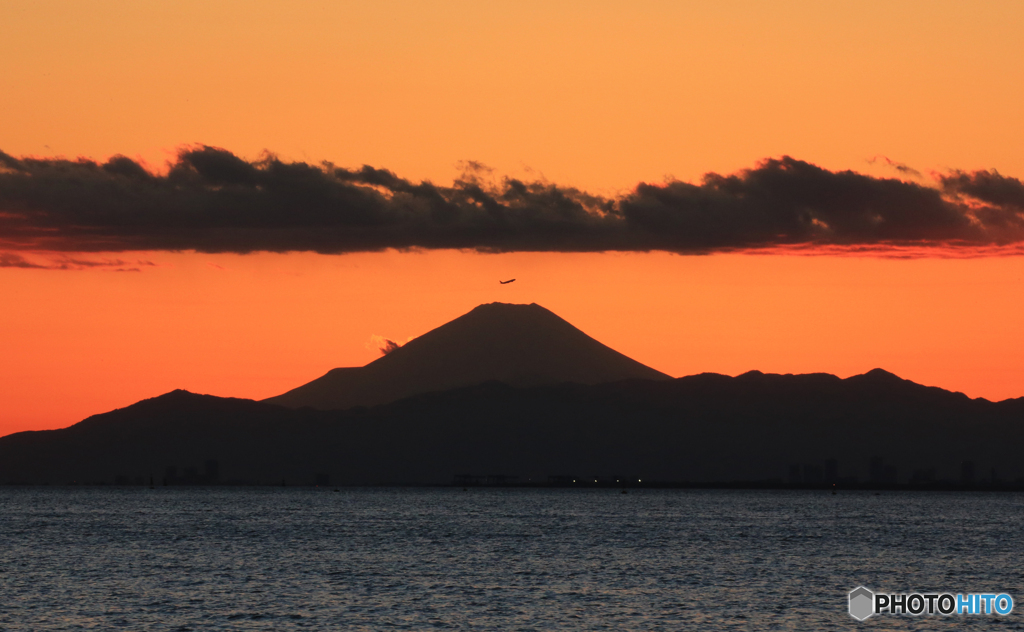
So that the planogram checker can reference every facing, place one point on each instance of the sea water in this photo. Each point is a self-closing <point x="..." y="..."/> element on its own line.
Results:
<point x="495" y="559"/>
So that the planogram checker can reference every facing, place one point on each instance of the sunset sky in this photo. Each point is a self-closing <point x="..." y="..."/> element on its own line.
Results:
<point x="183" y="202"/>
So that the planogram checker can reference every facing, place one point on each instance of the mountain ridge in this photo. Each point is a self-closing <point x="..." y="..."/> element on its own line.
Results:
<point x="516" y="391"/>
<point x="521" y="345"/>
<point x="705" y="427"/>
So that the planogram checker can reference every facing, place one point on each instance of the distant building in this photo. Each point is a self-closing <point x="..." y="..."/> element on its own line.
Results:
<point x="794" y="474"/>
<point x="889" y="474"/>
<point x="501" y="479"/>
<point x="813" y="474"/>
<point x="877" y="470"/>
<point x="922" y="477"/>
<point x="831" y="471"/>
<point x="212" y="472"/>
<point x="967" y="472"/>
<point x="467" y="480"/>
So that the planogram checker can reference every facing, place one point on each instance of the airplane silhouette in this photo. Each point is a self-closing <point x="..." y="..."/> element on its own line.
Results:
<point x="504" y="282"/>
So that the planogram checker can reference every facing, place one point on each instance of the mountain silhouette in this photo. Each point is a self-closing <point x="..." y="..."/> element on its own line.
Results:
<point x="518" y="345"/>
<point x="513" y="392"/>
<point x="874" y="428"/>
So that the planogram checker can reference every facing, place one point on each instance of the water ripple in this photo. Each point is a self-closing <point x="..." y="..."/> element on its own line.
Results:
<point x="414" y="559"/>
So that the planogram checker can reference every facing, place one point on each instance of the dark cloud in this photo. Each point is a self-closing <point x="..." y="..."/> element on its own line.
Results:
<point x="14" y="260"/>
<point x="213" y="201"/>
<point x="903" y="168"/>
<point x="124" y="166"/>
<point x="996" y="201"/>
<point x="987" y="187"/>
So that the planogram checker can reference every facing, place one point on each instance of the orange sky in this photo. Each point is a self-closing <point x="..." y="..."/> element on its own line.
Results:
<point x="597" y="95"/>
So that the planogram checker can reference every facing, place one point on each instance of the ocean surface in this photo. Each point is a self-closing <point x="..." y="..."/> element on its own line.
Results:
<point x="495" y="559"/>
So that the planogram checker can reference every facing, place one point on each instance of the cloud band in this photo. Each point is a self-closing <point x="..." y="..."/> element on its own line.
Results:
<point x="213" y="201"/>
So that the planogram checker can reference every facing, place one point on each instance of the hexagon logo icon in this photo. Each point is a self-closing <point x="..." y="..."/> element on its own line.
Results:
<point x="861" y="603"/>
